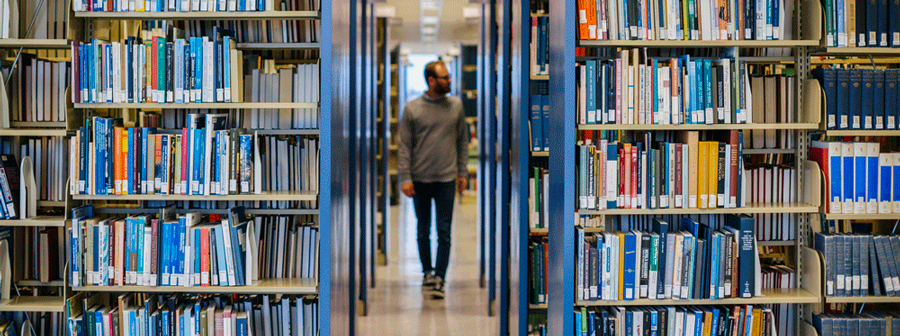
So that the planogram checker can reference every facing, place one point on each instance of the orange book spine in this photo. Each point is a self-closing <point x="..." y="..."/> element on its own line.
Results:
<point x="583" y="30"/>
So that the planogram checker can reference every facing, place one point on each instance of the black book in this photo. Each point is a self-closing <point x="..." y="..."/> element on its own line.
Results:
<point x="645" y="266"/>
<point x="720" y="199"/>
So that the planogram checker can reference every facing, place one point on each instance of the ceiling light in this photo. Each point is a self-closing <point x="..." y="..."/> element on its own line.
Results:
<point x="472" y="12"/>
<point x="430" y="20"/>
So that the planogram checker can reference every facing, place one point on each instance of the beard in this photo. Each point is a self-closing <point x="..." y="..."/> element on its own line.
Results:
<point x="442" y="89"/>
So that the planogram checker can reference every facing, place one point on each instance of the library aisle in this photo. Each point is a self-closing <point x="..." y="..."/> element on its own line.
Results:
<point x="398" y="306"/>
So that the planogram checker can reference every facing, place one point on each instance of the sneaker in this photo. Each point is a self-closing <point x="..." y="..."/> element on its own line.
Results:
<point x="437" y="292"/>
<point x="428" y="281"/>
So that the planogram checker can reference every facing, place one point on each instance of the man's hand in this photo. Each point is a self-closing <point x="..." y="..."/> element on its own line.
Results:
<point x="461" y="184"/>
<point x="408" y="189"/>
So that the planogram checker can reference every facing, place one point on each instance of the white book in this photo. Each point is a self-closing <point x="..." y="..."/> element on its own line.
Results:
<point x="896" y="179"/>
<point x="677" y="265"/>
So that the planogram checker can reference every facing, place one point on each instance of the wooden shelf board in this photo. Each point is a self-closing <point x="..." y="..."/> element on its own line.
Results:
<point x="35" y="283"/>
<point x="243" y="105"/>
<point x="34" y="43"/>
<point x="267" y="286"/>
<point x="278" y="46"/>
<point x="268" y="196"/>
<point x="749" y="209"/>
<point x="38" y="124"/>
<point x="856" y="51"/>
<point x="698" y="44"/>
<point x="540" y="154"/>
<point x="36" y="221"/>
<point x="890" y="216"/>
<point x="776" y="243"/>
<point x="54" y="204"/>
<point x="243" y="15"/>
<point x="645" y="127"/>
<point x="862" y="133"/>
<point x="862" y="299"/>
<point x="32" y="132"/>
<point x="539" y="77"/>
<point x="125" y="209"/>
<point x="770" y="296"/>
<point x="34" y="303"/>
<point x="539" y="306"/>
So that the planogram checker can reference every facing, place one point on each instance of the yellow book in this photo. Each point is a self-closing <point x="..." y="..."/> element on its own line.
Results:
<point x="757" y="322"/>
<point x="621" y="280"/>
<point x="707" y="323"/>
<point x="702" y="172"/>
<point x="712" y="175"/>
<point x="693" y="142"/>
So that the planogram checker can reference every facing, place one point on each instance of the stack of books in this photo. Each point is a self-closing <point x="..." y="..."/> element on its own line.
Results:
<point x="859" y="178"/>
<point x="860" y="265"/>
<point x="38" y="93"/>
<point x="862" y="23"/>
<point x="677" y="320"/>
<point x="860" y="99"/>
<point x="877" y="323"/>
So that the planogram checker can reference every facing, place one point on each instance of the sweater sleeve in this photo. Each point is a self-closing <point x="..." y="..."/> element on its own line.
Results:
<point x="404" y="151"/>
<point x="462" y="145"/>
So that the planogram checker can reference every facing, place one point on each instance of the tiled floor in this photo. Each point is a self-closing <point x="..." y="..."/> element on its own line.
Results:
<point x="397" y="305"/>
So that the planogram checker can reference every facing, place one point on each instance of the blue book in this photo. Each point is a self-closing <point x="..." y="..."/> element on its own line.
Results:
<point x="545" y="121"/>
<point x="748" y="325"/>
<point x="872" y="150"/>
<point x="827" y="77"/>
<point x="197" y="176"/>
<point x="698" y="323"/>
<point x="178" y="71"/>
<point x="860" y="163"/>
<point x="846" y="97"/>
<point x="222" y="265"/>
<point x="629" y="323"/>
<point x="707" y="91"/>
<point x="857" y="96"/>
<point x="715" y="257"/>
<point x="236" y="251"/>
<point x="891" y="92"/>
<point x="197" y="251"/>
<point x="661" y="227"/>
<point x="848" y="171"/>
<point x="868" y="98"/>
<point x="896" y="184"/>
<point x="537" y="138"/>
<point x="241" y="324"/>
<point x="882" y="25"/>
<point x="163" y="250"/>
<point x="180" y="246"/>
<point x="774" y="17"/>
<point x="630" y="265"/>
<point x="878" y="101"/>
<point x="577" y="327"/>
<point x="746" y="253"/>
<point x="591" y="91"/>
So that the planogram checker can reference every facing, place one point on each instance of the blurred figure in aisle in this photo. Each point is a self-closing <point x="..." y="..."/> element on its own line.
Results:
<point x="434" y="140"/>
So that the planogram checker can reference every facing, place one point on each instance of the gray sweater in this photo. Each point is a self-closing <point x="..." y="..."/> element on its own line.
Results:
<point x="434" y="139"/>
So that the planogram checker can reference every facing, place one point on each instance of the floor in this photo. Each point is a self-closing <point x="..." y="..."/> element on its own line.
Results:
<point x="397" y="305"/>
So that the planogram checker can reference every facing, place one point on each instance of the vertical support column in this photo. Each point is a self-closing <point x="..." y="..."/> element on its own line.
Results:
<point x="491" y="147"/>
<point x="503" y="187"/>
<point x="519" y="157"/>
<point x="482" y="150"/>
<point x="561" y="290"/>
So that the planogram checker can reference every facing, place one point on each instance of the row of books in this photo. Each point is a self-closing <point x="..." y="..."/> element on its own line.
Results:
<point x="860" y="265"/>
<point x="538" y="194"/>
<point x="540" y="46"/>
<point x="33" y="19"/>
<point x="676" y="321"/>
<point x="50" y="158"/>
<point x="773" y="185"/>
<point x="261" y="31"/>
<point x="690" y="262"/>
<point x="9" y="187"/>
<point x="636" y="89"/>
<point x="197" y="69"/>
<point x="861" y="23"/>
<point x="135" y="314"/>
<point x="685" y="20"/>
<point x="288" y="246"/>
<point x="192" y="5"/>
<point x="780" y="277"/>
<point x="860" y="98"/>
<point x="146" y="251"/>
<point x="40" y="258"/>
<point x="876" y="323"/>
<point x="32" y="323"/>
<point x="537" y="324"/>
<point x="665" y="175"/>
<point x="859" y="179"/>
<point x="203" y="159"/>
<point x="539" y="7"/>
<point x="540" y="115"/>
<point x="38" y="93"/>
<point x="772" y="103"/>
<point x="538" y="261"/>
<point x="769" y="227"/>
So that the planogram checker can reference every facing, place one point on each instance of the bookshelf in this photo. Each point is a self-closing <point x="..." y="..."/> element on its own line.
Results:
<point x="12" y="43"/>
<point x="247" y="15"/>
<point x="298" y="286"/>
<point x="563" y="158"/>
<point x="384" y="116"/>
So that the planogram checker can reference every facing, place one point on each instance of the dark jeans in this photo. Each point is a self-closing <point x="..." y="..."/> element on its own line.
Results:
<point x="442" y="193"/>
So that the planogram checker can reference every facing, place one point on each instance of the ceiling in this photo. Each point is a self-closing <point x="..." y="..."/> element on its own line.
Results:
<point x="451" y="31"/>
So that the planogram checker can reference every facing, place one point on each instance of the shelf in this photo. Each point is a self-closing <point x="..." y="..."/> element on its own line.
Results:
<point x="544" y="231"/>
<point x="242" y="105"/>
<point x="855" y="51"/>
<point x="35" y="283"/>
<point x="891" y="216"/>
<point x="305" y="286"/>
<point x="539" y="306"/>
<point x="31" y="132"/>
<point x="862" y="133"/>
<point x="770" y="296"/>
<point x="277" y="46"/>
<point x="540" y="77"/>
<point x="53" y="204"/>
<point x="267" y="196"/>
<point x="36" y="221"/>
<point x="698" y="43"/>
<point x="34" y="43"/>
<point x="749" y="209"/>
<point x="34" y="304"/>
<point x="244" y="15"/>
<point x="38" y="124"/>
<point x="862" y="299"/>
<point x="540" y="154"/>
<point x="288" y="132"/>
<point x="124" y="209"/>
<point x="699" y="127"/>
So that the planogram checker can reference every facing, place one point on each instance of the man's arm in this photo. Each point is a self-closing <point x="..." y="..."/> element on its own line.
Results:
<point x="404" y="152"/>
<point x="462" y="145"/>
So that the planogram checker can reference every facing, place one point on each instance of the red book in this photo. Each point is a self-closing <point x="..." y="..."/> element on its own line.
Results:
<point x="622" y="160"/>
<point x="733" y="141"/>
<point x="204" y="256"/>
<point x="154" y="238"/>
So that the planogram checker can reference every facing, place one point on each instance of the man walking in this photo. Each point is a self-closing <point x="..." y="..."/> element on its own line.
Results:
<point x="434" y="140"/>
